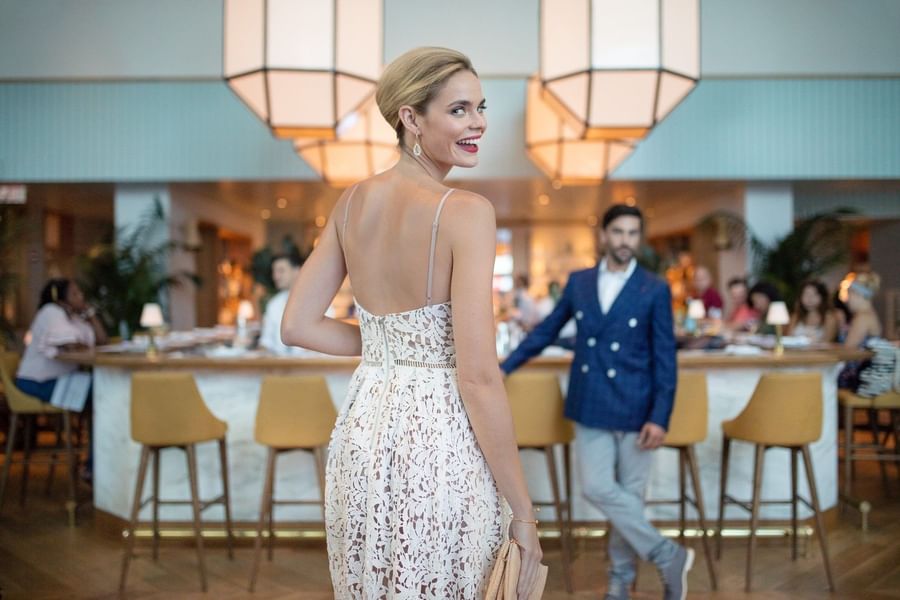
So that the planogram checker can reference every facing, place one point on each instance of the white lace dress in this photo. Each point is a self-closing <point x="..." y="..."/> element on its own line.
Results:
<point x="412" y="510"/>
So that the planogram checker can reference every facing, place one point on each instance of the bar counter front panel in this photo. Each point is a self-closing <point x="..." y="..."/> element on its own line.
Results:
<point x="230" y="387"/>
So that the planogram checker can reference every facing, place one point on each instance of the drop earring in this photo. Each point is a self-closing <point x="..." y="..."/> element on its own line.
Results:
<point x="417" y="149"/>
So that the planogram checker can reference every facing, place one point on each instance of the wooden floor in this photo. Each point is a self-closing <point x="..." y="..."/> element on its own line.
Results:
<point x="40" y="557"/>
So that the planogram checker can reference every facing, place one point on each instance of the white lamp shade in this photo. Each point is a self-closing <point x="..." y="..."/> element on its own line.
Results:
<point x="696" y="309"/>
<point x="302" y="65"/>
<point x="365" y="145"/>
<point x="245" y="310"/>
<point x="778" y="314"/>
<point x="151" y="315"/>
<point x="554" y="146"/>
<point x="616" y="67"/>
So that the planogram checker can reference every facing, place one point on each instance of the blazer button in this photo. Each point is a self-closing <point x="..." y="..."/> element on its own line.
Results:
<point x="592" y="342"/>
<point x="579" y="315"/>
<point x="585" y="368"/>
<point x="614" y="346"/>
<point x="632" y="322"/>
<point x="611" y="373"/>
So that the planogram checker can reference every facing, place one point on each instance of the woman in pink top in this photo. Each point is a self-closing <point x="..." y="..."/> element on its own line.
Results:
<point x="64" y="321"/>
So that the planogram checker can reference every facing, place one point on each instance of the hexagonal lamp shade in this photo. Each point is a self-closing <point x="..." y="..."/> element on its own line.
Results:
<point x="554" y="146"/>
<point x="365" y="145"/>
<point x="616" y="68"/>
<point x="302" y="65"/>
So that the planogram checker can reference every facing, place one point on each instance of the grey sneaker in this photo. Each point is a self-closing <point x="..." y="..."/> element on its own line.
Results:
<point x="674" y="574"/>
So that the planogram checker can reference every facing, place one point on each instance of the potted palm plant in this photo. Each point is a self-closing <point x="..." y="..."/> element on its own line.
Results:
<point x="129" y="270"/>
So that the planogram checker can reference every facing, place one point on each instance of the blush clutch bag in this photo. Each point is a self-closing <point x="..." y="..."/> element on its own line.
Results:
<point x="505" y="575"/>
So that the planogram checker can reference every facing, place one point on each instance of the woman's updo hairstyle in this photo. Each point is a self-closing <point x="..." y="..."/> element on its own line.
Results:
<point x="414" y="79"/>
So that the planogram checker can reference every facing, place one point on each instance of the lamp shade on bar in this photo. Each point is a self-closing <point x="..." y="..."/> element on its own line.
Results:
<point x="303" y="65"/>
<point x="151" y="315"/>
<point x="616" y="68"/>
<point x="696" y="310"/>
<point x="365" y="145"/>
<point x="778" y="314"/>
<point x="553" y="144"/>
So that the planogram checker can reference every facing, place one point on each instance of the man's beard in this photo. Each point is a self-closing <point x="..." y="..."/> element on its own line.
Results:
<point x="614" y="255"/>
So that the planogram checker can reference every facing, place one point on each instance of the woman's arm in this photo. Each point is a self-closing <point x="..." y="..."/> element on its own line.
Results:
<point x="304" y="322"/>
<point x="859" y="330"/>
<point x="472" y="235"/>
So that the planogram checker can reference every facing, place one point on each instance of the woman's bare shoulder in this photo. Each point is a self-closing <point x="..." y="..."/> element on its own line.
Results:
<point x="467" y="207"/>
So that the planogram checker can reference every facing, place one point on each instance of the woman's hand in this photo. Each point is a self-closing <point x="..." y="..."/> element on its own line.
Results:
<point x="526" y="537"/>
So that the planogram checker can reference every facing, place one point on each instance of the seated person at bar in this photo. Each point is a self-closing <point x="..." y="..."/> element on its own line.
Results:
<point x="812" y="316"/>
<point x="741" y="313"/>
<point x="864" y="325"/>
<point x="64" y="321"/>
<point x="704" y="290"/>
<point x="761" y="296"/>
<point x="284" y="271"/>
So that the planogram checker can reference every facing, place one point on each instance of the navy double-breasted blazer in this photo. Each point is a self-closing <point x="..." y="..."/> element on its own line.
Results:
<point x="624" y="370"/>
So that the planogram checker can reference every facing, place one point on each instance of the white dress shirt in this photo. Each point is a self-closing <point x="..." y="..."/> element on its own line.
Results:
<point x="610" y="283"/>
<point x="270" y="334"/>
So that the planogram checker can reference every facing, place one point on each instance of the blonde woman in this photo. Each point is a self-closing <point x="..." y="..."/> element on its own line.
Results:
<point x="423" y="450"/>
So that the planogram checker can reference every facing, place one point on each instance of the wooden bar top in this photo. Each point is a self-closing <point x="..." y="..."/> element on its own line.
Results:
<point x="689" y="359"/>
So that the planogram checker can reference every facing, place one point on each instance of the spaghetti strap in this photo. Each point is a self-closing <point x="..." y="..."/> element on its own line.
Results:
<point x="346" y="217"/>
<point x="434" y="230"/>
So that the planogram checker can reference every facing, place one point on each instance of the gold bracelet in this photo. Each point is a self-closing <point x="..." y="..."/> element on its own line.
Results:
<point x="534" y="522"/>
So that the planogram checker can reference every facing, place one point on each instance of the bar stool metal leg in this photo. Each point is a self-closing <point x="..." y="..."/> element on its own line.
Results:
<point x="264" y="507"/>
<point x="135" y="510"/>
<point x="754" y="511"/>
<point x="156" y="453"/>
<point x="195" y="504"/>
<point x="682" y="496"/>
<point x="794" y="499"/>
<point x="723" y="480"/>
<point x="229" y="531"/>
<point x="560" y="520"/>
<point x="701" y="515"/>
<point x="7" y="458"/>
<point x="567" y="474"/>
<point x="29" y="428"/>
<point x="270" y="548"/>
<point x="820" y="525"/>
<point x="51" y="472"/>
<point x="71" y="466"/>
<point x="319" y="455"/>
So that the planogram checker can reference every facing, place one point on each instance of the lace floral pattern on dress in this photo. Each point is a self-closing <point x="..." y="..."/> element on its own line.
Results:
<point x="412" y="510"/>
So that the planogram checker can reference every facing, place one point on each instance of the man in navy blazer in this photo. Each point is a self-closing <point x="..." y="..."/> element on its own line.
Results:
<point x="621" y="391"/>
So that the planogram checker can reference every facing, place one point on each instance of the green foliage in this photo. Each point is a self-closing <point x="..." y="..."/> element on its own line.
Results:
<point x="814" y="246"/>
<point x="9" y="281"/>
<point x="120" y="275"/>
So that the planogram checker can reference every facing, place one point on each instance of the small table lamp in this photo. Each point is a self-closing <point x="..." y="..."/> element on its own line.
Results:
<point x="244" y="312"/>
<point x="696" y="312"/>
<point x="778" y="316"/>
<point x="151" y="318"/>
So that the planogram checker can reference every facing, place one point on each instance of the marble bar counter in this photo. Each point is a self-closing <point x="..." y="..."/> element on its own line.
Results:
<point x="230" y="386"/>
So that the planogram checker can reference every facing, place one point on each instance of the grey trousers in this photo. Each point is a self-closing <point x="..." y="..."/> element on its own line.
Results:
<point x="614" y="473"/>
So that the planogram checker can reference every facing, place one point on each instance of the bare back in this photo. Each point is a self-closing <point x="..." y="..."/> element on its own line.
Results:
<point x="387" y="229"/>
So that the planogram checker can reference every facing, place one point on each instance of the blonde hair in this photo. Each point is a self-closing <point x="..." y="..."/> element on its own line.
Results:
<point x="414" y="79"/>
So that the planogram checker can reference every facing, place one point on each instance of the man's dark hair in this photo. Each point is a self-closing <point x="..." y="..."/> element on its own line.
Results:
<point x="622" y="210"/>
<point x="738" y="281"/>
<point x="291" y="258"/>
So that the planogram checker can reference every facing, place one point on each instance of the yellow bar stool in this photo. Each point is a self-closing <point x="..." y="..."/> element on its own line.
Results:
<point x="688" y="426"/>
<point x="877" y="450"/>
<point x="167" y="411"/>
<point x="785" y="411"/>
<point x="537" y="406"/>
<point x="28" y="408"/>
<point x="294" y="413"/>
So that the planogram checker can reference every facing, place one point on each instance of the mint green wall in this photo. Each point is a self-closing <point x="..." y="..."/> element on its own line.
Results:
<point x="198" y="131"/>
